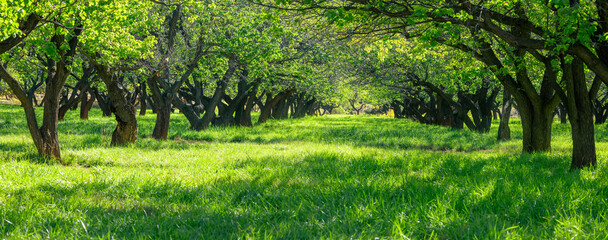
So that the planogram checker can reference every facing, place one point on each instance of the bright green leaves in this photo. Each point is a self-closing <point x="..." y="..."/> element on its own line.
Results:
<point x="117" y="30"/>
<point x="12" y="12"/>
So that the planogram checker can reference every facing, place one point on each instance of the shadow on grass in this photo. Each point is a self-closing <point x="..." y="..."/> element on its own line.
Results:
<point x="321" y="195"/>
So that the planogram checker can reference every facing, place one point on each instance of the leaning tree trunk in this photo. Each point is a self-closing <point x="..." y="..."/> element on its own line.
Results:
<point x="265" y="109"/>
<point x="504" y="131"/>
<point x="45" y="138"/>
<point x="63" y="110"/>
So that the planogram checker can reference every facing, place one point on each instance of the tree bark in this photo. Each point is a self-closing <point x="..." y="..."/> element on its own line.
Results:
<point x="162" y="104"/>
<point x="126" y="114"/>
<point x="161" y="127"/>
<point x="142" y="99"/>
<point x="103" y="101"/>
<point x="191" y="113"/>
<point x="536" y="109"/>
<point x="271" y="102"/>
<point x="78" y="91"/>
<point x="504" y="131"/>
<point x="231" y="111"/>
<point x="245" y="119"/>
<point x="86" y="103"/>
<point x="580" y="111"/>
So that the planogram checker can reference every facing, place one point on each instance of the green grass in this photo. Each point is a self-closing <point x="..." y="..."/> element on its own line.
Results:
<point x="332" y="177"/>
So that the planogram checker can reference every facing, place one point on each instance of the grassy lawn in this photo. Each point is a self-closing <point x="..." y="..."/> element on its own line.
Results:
<point x="332" y="177"/>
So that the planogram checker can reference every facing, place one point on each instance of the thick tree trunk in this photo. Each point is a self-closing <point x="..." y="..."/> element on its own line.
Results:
<point x="190" y="114"/>
<point x="240" y="109"/>
<point x="126" y="114"/>
<point x="504" y="131"/>
<point x="232" y="111"/>
<point x="50" y="140"/>
<point x="266" y="109"/>
<point x="583" y="142"/>
<point x="536" y="127"/>
<point x="580" y="112"/>
<point x="63" y="110"/>
<point x="48" y="131"/>
<point x="126" y="126"/>
<point x="278" y="111"/>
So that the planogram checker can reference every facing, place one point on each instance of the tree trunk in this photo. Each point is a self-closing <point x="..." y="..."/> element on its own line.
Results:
<point x="271" y="102"/>
<point x="504" y="131"/>
<point x="126" y="114"/>
<point x="142" y="99"/>
<point x="215" y="101"/>
<point x="103" y="102"/>
<point x="266" y="109"/>
<point x="536" y="126"/>
<point x="162" y="105"/>
<point x="46" y="138"/>
<point x="161" y="127"/>
<point x="279" y="109"/>
<point x="48" y="131"/>
<point x="63" y="110"/>
<point x="126" y="127"/>
<point x="85" y="105"/>
<point x="580" y="112"/>
<point x="246" y="114"/>
<point x="80" y="90"/>
<point x="561" y="113"/>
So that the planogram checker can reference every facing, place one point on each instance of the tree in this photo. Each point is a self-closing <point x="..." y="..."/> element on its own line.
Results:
<point x="520" y="30"/>
<point x="119" y="21"/>
<point x="61" y="48"/>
